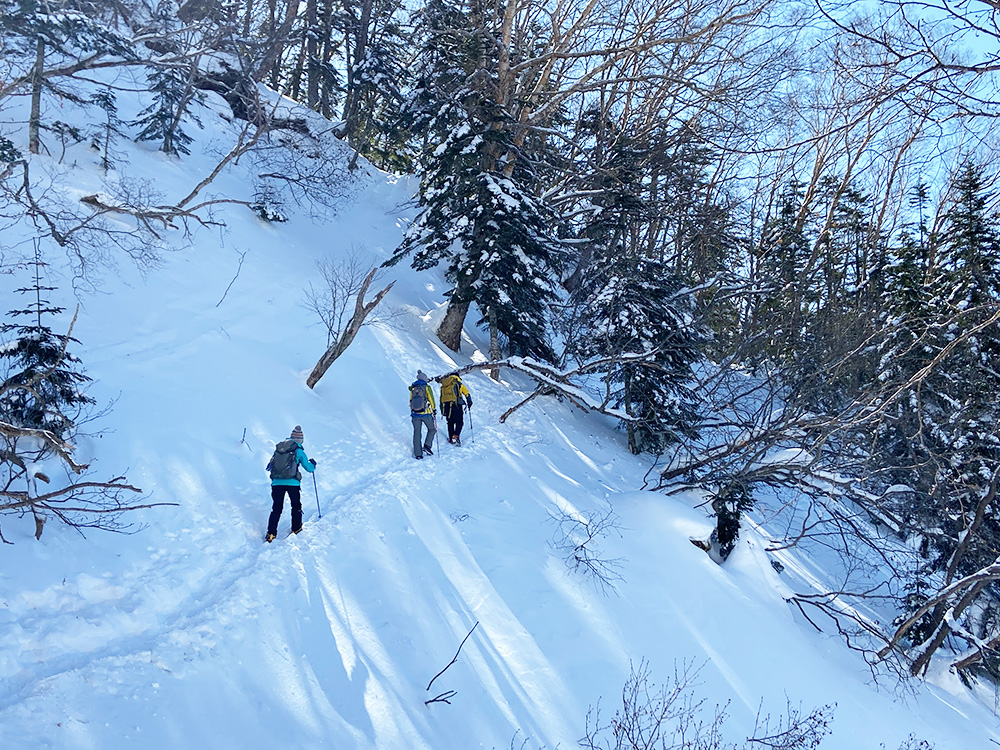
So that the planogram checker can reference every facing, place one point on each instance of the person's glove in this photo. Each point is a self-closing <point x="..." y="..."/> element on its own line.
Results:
<point x="468" y="401"/>
<point x="313" y="462"/>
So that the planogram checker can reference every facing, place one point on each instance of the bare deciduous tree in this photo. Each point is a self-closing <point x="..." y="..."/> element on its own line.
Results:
<point x="344" y="282"/>
<point x="950" y="49"/>
<point x="669" y="717"/>
<point x="578" y="538"/>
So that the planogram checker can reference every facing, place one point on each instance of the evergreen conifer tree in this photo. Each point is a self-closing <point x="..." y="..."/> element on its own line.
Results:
<point x="700" y="240"/>
<point x="39" y="35"/>
<point x="494" y="235"/>
<point x="162" y="120"/>
<point x="68" y="28"/>
<point x="480" y="214"/>
<point x="836" y="294"/>
<point x="630" y="301"/>
<point x="42" y="386"/>
<point x="377" y="79"/>
<point x="781" y="258"/>
<point x="173" y="90"/>
<point x="102" y="138"/>
<point x="962" y="412"/>
<point x="905" y="318"/>
<point x="940" y="436"/>
<point x="631" y="306"/>
<point x="446" y="51"/>
<point x="636" y="312"/>
<point x="692" y="218"/>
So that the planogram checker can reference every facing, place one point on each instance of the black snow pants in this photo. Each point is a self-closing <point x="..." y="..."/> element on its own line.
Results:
<point x="277" y="503"/>
<point x="452" y="411"/>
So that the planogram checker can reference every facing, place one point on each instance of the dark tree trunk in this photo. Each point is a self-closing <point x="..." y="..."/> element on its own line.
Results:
<point x="352" y="103"/>
<point x="279" y="37"/>
<point x="494" y="343"/>
<point x="312" y="68"/>
<point x="450" y="330"/>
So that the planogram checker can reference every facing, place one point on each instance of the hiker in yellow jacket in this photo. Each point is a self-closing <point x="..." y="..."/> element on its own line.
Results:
<point x="453" y="390"/>
<point x="422" y="415"/>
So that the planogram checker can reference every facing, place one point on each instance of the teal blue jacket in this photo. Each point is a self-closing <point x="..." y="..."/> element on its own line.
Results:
<point x="300" y="456"/>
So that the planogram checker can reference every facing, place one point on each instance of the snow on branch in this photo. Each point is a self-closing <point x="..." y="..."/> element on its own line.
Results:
<point x="555" y="381"/>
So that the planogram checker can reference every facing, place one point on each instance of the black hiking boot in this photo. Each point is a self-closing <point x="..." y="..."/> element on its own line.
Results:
<point x="428" y="451"/>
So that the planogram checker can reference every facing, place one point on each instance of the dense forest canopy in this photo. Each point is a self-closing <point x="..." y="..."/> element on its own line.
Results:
<point x="766" y="234"/>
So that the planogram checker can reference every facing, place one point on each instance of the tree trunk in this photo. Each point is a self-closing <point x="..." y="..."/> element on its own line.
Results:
<point x="326" y="87"/>
<point x="295" y="84"/>
<point x="36" y="98"/>
<point x="494" y="343"/>
<point x="463" y="295"/>
<point x="330" y="356"/>
<point x="312" y="55"/>
<point x="247" y="18"/>
<point x="943" y="629"/>
<point x="361" y="312"/>
<point x="450" y="330"/>
<point x="352" y="102"/>
<point x="277" y="44"/>
<point x="169" y="146"/>
<point x="575" y="280"/>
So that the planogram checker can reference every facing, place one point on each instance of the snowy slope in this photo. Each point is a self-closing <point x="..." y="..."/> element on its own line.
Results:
<point x="193" y="633"/>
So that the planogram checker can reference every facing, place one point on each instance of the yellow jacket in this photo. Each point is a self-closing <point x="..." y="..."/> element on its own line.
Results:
<point x="452" y="388"/>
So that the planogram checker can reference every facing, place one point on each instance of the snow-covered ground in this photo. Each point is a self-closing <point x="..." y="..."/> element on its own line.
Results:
<point x="192" y="632"/>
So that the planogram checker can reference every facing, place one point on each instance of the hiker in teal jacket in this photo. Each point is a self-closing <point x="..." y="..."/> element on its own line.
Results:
<point x="286" y="478"/>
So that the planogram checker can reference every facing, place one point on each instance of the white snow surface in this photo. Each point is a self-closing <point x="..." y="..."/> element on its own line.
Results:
<point x="191" y="632"/>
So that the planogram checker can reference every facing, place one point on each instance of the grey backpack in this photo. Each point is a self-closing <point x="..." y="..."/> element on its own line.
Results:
<point x="284" y="463"/>
<point x="418" y="397"/>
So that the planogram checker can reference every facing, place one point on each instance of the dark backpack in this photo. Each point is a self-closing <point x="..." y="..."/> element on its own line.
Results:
<point x="418" y="397"/>
<point x="284" y="463"/>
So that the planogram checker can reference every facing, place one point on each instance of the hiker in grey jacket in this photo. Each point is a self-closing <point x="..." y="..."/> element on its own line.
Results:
<point x="284" y="465"/>
<point x="422" y="415"/>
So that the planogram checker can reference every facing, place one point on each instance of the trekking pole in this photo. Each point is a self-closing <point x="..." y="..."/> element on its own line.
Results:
<point x="317" y="495"/>
<point x="472" y="432"/>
